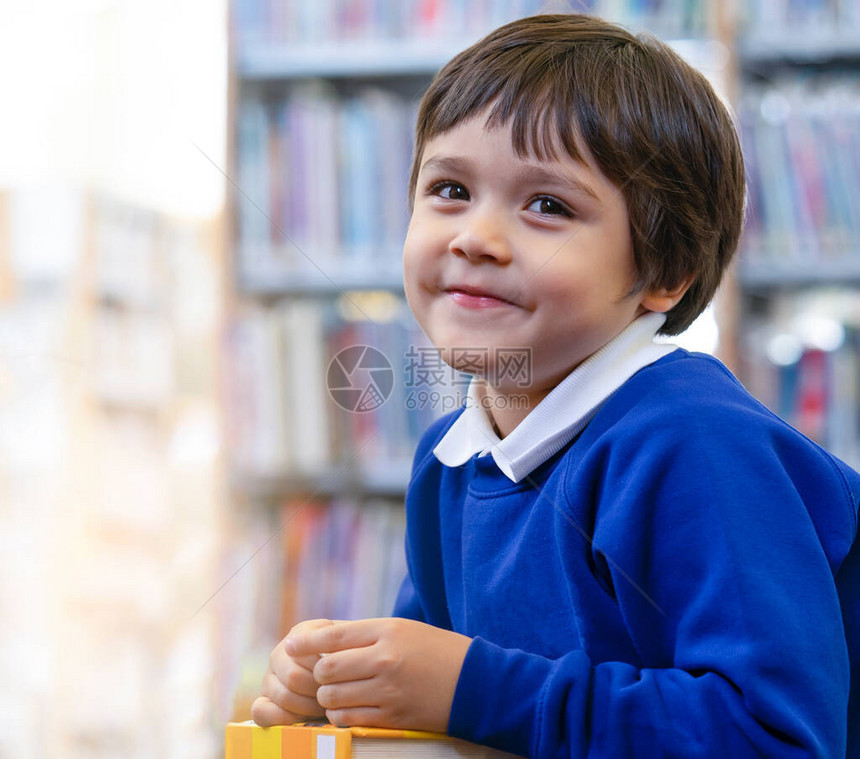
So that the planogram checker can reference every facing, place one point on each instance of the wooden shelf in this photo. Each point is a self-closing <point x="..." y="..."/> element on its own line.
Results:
<point x="780" y="48"/>
<point x="348" y="60"/>
<point x="389" y="480"/>
<point x="322" y="283"/>
<point x="795" y="273"/>
<point x="398" y="58"/>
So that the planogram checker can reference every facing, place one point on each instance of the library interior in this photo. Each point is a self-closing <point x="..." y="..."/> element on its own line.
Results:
<point x="211" y="386"/>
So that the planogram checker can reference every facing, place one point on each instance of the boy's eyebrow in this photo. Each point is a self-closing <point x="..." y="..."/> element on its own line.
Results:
<point x="540" y="175"/>
<point x="446" y="164"/>
<point x="529" y="173"/>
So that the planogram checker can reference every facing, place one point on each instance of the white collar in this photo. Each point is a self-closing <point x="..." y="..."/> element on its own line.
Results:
<point x="563" y="413"/>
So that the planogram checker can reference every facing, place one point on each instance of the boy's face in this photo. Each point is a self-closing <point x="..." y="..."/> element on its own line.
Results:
<point x="511" y="253"/>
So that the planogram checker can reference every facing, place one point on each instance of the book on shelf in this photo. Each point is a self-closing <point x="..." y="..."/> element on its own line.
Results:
<point x="798" y="137"/>
<point x="343" y="558"/>
<point x="320" y="740"/>
<point x="787" y="20"/>
<point x="304" y="343"/>
<point x="804" y="367"/>
<point x="273" y="23"/>
<point x="311" y="166"/>
<point x="284" y="422"/>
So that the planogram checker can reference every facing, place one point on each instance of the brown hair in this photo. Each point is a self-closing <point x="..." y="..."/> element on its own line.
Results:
<point x="652" y="123"/>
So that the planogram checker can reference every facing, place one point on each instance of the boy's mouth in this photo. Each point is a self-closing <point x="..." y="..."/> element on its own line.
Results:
<point x="476" y="297"/>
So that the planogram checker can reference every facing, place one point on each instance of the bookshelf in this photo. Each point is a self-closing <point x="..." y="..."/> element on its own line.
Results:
<point x="798" y="277"/>
<point x="109" y="475"/>
<point x="349" y="59"/>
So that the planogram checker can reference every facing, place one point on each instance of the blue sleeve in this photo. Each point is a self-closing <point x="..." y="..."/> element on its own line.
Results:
<point x="408" y="605"/>
<point x="720" y="571"/>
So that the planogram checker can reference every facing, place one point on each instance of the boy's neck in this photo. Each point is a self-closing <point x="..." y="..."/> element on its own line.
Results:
<point x="506" y="410"/>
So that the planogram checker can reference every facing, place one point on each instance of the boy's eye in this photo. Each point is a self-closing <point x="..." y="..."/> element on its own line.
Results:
<point x="450" y="191"/>
<point x="548" y="207"/>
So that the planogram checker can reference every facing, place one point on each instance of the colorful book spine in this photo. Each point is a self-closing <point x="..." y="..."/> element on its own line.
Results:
<point x="801" y="143"/>
<point x="287" y="416"/>
<point x="246" y="740"/>
<point x="810" y="380"/>
<point x="274" y="22"/>
<point x="343" y="558"/>
<point x="778" y="18"/>
<point x="310" y="169"/>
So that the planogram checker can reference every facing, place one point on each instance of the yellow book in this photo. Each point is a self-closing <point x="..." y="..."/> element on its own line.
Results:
<point x="313" y="740"/>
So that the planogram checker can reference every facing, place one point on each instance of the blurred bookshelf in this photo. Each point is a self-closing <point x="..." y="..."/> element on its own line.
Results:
<point x="785" y="33"/>
<point x="109" y="420"/>
<point x="798" y="102"/>
<point x="323" y="104"/>
<point x="348" y="59"/>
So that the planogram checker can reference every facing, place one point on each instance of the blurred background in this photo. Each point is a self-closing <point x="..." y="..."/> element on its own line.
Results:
<point x="202" y="206"/>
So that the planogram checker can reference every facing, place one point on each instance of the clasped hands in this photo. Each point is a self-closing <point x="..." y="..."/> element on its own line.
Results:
<point x="385" y="672"/>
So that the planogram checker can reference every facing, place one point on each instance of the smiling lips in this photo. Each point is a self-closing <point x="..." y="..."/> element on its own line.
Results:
<point x="473" y="297"/>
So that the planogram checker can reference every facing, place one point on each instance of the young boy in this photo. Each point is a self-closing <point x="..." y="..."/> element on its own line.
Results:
<point x="625" y="554"/>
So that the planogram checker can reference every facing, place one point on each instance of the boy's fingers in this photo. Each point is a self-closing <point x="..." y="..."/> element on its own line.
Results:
<point x="307" y="662"/>
<point x="291" y="670"/>
<point x="348" y="695"/>
<point x="341" y="666"/>
<point x="336" y="637"/>
<point x="310" y="660"/>
<point x="364" y="715"/>
<point x="301" y="707"/>
<point x="267" y="713"/>
<point x="286" y="693"/>
<point x="312" y="624"/>
<point x="297" y="694"/>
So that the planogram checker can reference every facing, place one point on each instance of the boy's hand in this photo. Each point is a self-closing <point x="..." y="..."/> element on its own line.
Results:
<point x="289" y="689"/>
<point x="383" y="672"/>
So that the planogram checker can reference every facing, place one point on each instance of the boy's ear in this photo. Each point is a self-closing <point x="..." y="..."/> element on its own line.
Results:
<point x="663" y="299"/>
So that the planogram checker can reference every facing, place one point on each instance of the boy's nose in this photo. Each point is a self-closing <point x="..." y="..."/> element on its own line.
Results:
<point x="482" y="238"/>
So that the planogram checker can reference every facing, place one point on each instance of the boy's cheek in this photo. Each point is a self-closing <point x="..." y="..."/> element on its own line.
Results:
<point x="411" y="281"/>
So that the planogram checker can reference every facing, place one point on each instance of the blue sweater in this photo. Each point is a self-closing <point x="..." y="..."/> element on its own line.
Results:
<point x="683" y="579"/>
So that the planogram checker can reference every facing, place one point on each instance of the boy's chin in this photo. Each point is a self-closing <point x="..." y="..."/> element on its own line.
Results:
<point x="474" y="361"/>
<point x="504" y="369"/>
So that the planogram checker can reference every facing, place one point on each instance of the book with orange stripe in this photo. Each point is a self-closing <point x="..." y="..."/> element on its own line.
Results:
<point x="313" y="740"/>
